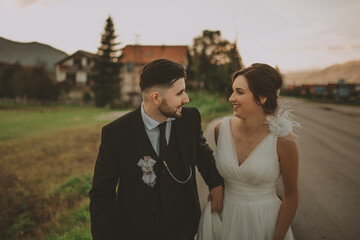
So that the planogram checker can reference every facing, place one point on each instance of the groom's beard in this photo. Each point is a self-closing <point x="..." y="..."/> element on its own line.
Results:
<point x="167" y="111"/>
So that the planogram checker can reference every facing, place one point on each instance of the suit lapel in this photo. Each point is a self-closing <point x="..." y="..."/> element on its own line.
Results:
<point x="142" y="142"/>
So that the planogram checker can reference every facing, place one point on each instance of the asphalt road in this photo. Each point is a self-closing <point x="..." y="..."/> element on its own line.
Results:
<point x="329" y="171"/>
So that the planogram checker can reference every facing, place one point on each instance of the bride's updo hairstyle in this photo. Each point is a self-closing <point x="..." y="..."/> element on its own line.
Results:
<point x="263" y="80"/>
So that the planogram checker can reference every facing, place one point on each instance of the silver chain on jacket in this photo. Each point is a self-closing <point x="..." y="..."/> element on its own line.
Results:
<point x="182" y="182"/>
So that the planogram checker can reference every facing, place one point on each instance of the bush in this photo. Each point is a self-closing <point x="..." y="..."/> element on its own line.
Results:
<point x="87" y="96"/>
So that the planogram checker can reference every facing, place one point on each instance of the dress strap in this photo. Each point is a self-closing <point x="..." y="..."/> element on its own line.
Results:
<point x="224" y="128"/>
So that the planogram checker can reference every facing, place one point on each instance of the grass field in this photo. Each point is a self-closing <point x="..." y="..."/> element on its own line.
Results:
<point x="47" y="156"/>
<point x="210" y="106"/>
<point x="24" y="121"/>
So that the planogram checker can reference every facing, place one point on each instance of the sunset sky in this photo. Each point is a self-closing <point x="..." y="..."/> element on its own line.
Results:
<point x="293" y="34"/>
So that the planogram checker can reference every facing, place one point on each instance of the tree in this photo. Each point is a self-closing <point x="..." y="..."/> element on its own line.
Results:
<point x="106" y="70"/>
<point x="12" y="80"/>
<point x="235" y="64"/>
<point x="40" y="85"/>
<point x="213" y="61"/>
<point x="33" y="83"/>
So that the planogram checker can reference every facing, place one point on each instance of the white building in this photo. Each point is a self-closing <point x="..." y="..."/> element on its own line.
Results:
<point x="76" y="68"/>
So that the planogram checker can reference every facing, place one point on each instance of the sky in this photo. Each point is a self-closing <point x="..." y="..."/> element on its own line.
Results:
<point x="290" y="34"/>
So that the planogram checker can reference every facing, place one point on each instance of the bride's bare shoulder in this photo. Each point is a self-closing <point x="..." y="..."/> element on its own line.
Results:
<point x="286" y="141"/>
<point x="286" y="148"/>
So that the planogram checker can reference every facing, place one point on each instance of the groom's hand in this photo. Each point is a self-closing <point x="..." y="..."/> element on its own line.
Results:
<point x="216" y="196"/>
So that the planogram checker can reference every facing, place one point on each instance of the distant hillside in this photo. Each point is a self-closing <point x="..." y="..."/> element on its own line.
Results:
<point x="350" y="71"/>
<point x="29" y="53"/>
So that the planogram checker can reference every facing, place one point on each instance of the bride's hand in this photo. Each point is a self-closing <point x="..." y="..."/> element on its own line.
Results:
<point x="216" y="197"/>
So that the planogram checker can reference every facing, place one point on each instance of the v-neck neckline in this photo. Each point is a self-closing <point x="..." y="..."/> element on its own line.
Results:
<point x="252" y="151"/>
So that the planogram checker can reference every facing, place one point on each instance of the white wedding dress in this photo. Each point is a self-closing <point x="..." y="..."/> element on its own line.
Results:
<point x="251" y="207"/>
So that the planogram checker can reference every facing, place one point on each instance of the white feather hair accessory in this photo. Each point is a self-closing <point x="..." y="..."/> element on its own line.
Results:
<point x="283" y="122"/>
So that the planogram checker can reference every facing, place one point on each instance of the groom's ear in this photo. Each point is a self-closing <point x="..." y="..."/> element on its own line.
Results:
<point x="157" y="94"/>
<point x="155" y="97"/>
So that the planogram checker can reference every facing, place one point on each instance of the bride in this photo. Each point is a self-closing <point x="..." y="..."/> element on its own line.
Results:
<point x="254" y="149"/>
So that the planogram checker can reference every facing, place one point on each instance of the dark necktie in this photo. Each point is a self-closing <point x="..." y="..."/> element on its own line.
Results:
<point x="162" y="142"/>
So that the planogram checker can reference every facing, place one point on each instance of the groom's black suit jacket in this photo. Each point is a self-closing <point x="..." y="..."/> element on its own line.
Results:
<point x="126" y="212"/>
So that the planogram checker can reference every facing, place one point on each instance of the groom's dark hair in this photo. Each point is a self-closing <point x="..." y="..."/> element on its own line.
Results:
<point x="161" y="72"/>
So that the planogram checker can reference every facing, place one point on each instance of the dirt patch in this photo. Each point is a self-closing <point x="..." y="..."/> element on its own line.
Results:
<point x="110" y="116"/>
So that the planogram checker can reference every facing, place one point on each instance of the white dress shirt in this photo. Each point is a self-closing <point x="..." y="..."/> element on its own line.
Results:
<point x="152" y="129"/>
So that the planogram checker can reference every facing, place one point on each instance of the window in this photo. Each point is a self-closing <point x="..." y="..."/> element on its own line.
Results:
<point x="71" y="77"/>
<point x="77" y="62"/>
<point x="129" y="67"/>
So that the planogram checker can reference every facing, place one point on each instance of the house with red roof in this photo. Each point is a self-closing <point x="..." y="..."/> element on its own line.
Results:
<point x="134" y="57"/>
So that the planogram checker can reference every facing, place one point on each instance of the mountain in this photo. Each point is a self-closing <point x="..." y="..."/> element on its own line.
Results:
<point x="29" y="54"/>
<point x="349" y="71"/>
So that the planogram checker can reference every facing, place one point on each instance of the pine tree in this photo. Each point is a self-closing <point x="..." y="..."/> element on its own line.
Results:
<point x="106" y="70"/>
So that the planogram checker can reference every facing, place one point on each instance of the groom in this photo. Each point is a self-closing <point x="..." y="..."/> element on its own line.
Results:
<point x="144" y="184"/>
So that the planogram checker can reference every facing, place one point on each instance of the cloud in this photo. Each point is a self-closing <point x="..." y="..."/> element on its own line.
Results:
<point x="343" y="47"/>
<point x="26" y="3"/>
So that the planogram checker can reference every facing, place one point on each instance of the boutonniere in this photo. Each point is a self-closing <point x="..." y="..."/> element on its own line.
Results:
<point x="147" y="164"/>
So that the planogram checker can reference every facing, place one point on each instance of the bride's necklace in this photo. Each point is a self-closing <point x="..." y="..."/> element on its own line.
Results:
<point x="245" y="139"/>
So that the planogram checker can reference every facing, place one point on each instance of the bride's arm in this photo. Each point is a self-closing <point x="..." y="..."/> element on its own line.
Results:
<point x="288" y="158"/>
